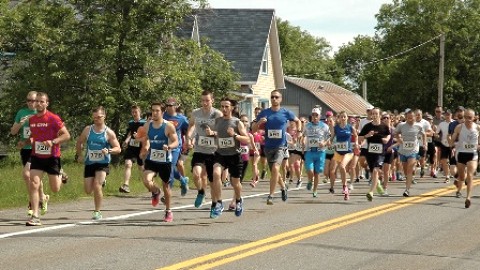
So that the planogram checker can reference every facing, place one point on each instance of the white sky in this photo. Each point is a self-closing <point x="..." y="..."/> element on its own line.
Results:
<point x="338" y="21"/>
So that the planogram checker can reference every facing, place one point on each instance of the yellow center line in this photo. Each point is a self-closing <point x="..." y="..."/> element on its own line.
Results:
<point x="304" y="232"/>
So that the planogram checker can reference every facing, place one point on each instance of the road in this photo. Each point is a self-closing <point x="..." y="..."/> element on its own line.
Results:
<point x="430" y="230"/>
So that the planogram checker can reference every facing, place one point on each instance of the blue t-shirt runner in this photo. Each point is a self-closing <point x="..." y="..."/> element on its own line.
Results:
<point x="276" y="126"/>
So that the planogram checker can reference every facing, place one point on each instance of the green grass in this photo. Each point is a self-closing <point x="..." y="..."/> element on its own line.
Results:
<point x="13" y="191"/>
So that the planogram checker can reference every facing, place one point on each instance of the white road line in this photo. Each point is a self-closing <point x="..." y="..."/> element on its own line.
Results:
<point x="120" y="217"/>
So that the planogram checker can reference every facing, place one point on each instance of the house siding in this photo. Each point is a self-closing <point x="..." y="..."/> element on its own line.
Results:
<point x="294" y="95"/>
<point x="265" y="82"/>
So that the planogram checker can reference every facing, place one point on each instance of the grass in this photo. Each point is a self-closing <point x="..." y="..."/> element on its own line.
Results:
<point x="13" y="190"/>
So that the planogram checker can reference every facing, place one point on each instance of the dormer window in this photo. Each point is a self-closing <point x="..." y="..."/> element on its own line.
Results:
<point x="265" y="61"/>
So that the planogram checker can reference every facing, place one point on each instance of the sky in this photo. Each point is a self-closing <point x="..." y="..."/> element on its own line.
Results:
<point x="338" y="21"/>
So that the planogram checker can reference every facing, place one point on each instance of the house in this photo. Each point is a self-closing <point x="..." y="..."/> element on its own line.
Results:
<point x="248" y="38"/>
<point x="301" y="95"/>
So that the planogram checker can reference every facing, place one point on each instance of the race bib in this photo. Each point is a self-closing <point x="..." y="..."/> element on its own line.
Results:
<point x="469" y="146"/>
<point x="134" y="143"/>
<point x="429" y="139"/>
<point x="313" y="142"/>
<point x="409" y="145"/>
<point x="275" y="133"/>
<point x="244" y="150"/>
<point x="158" y="155"/>
<point x="331" y="148"/>
<point x="206" y="141"/>
<point x="42" y="149"/>
<point x="375" y="148"/>
<point x="96" y="155"/>
<point x="26" y="132"/>
<point x="341" y="146"/>
<point x="291" y="147"/>
<point x="226" y="142"/>
<point x="257" y="145"/>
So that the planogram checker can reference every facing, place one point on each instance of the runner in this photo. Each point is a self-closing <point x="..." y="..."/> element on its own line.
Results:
<point x="445" y="150"/>
<point x="295" y="155"/>
<point x="205" y="146"/>
<point x="258" y="138"/>
<point x="47" y="132"/>
<point x="342" y="133"/>
<point x="330" y="121"/>
<point x="388" y="168"/>
<point x="459" y="119"/>
<point x="362" y="161"/>
<point x="431" y="147"/>
<point x="467" y="155"/>
<point x="181" y="125"/>
<point x="21" y="125"/>
<point x="158" y="143"/>
<point x="316" y="135"/>
<point x="99" y="141"/>
<point x="132" y="145"/>
<point x="427" y="129"/>
<point x="407" y="139"/>
<point x="261" y="147"/>
<point x="275" y="120"/>
<point x="229" y="132"/>
<point x="377" y="134"/>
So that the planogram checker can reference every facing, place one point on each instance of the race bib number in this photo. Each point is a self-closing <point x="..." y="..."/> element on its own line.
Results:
<point x="42" y="149"/>
<point x="26" y="132"/>
<point x="409" y="145"/>
<point x="313" y="142"/>
<point x="96" y="155"/>
<point x="158" y="155"/>
<point x="469" y="146"/>
<point x="275" y="133"/>
<point x="375" y="148"/>
<point x="429" y="139"/>
<point x="134" y="143"/>
<point x="331" y="148"/>
<point x="206" y="141"/>
<point x="226" y="142"/>
<point x="341" y="146"/>
<point x="244" y="150"/>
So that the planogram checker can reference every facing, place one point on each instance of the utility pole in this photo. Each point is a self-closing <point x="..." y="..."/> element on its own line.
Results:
<point x="441" y="70"/>
<point x="364" y="90"/>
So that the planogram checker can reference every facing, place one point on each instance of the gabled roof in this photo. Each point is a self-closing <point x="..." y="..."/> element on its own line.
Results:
<point x="334" y="96"/>
<point x="240" y="35"/>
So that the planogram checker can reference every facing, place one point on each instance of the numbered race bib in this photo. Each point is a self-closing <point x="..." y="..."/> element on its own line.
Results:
<point x="409" y="145"/>
<point x="341" y="146"/>
<point x="206" y="141"/>
<point x="291" y="147"/>
<point x="469" y="146"/>
<point x="375" y="148"/>
<point x="134" y="143"/>
<point x="275" y="133"/>
<point x="42" y="149"/>
<point x="96" y="155"/>
<point x="26" y="132"/>
<point x="244" y="150"/>
<point x="226" y="142"/>
<point x="313" y="142"/>
<point x="331" y="148"/>
<point x="158" y="155"/>
<point x="429" y="139"/>
<point x="257" y="145"/>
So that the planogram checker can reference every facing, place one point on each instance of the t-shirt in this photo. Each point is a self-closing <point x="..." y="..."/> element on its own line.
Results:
<point x="410" y="135"/>
<point x="443" y="132"/>
<point x="181" y="125"/>
<point x="44" y="128"/>
<point x="25" y="129"/>
<point x="276" y="126"/>
<point x="203" y="143"/>
<point x="375" y="143"/>
<point x="131" y="129"/>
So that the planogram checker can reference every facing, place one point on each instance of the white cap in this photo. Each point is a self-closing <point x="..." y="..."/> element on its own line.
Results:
<point x="317" y="111"/>
<point x="370" y="107"/>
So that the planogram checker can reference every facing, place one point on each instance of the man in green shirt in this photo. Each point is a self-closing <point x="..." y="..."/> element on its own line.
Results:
<point x="22" y="128"/>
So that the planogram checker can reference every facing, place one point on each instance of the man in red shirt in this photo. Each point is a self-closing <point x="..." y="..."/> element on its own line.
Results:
<point x="47" y="132"/>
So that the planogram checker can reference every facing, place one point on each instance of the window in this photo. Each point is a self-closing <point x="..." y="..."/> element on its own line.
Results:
<point x="265" y="61"/>
<point x="263" y="103"/>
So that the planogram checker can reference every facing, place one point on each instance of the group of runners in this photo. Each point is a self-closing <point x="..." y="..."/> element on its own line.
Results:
<point x="386" y="146"/>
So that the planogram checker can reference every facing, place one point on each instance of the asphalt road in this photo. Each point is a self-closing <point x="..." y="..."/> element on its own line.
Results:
<point x="430" y="230"/>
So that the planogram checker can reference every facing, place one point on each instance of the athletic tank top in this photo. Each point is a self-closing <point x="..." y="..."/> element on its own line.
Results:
<point x="95" y="143"/>
<point x="158" y="139"/>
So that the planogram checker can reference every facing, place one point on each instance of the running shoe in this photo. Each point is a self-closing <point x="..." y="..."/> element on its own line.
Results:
<point x="269" y="200"/>
<point x="414" y="181"/>
<point x="97" y="215"/>
<point x="284" y="195"/>
<point x="314" y="194"/>
<point x="184" y="186"/>
<point x="385" y="193"/>
<point x="124" y="189"/>
<point x="290" y="181"/>
<point x="232" y="205"/>
<point x="217" y="211"/>
<point x="168" y="216"/>
<point x="239" y="208"/>
<point x="44" y="205"/>
<point x="299" y="183"/>
<point x="33" y="221"/>
<point x="331" y="190"/>
<point x="446" y="181"/>
<point x="346" y="193"/>
<point x="350" y="186"/>
<point x="406" y="193"/>
<point x="394" y="177"/>
<point x="325" y="180"/>
<point x="199" y="200"/>
<point x="467" y="203"/>
<point x="369" y="196"/>
<point x="379" y="187"/>
<point x="309" y="185"/>
<point x="422" y="172"/>
<point x="162" y="199"/>
<point x="357" y="180"/>
<point x="155" y="198"/>
<point x="226" y="184"/>
<point x="458" y="194"/>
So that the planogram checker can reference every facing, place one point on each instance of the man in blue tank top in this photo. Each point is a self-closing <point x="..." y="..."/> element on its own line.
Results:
<point x="161" y="138"/>
<point x="275" y="120"/>
<point x="99" y="142"/>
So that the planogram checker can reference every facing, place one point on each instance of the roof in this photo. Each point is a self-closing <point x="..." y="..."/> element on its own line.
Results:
<point x="239" y="34"/>
<point x="334" y="96"/>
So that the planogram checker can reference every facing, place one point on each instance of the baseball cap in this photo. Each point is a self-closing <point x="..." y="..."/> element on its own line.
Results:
<point x="370" y="107"/>
<point x="317" y="111"/>
<point x="447" y="112"/>
<point x="407" y="110"/>
<point x="429" y="117"/>
<point x="171" y="101"/>
<point x="329" y="113"/>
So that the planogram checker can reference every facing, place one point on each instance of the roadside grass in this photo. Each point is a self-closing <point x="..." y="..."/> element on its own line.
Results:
<point x="13" y="191"/>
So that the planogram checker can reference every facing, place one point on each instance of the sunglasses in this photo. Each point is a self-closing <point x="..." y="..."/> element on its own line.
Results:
<point x="170" y="105"/>
<point x="31" y="100"/>
<point x="275" y="97"/>
<point x="383" y="118"/>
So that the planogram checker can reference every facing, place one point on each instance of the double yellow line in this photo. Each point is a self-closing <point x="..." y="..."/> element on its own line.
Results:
<point x="239" y="252"/>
